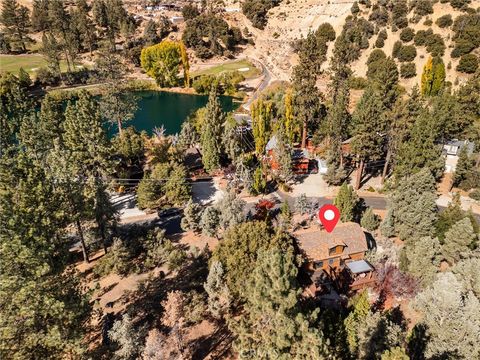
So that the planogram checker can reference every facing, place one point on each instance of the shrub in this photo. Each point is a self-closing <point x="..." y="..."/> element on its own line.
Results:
<point x="399" y="13"/>
<point x="423" y="7"/>
<point x="379" y="15"/>
<point x="407" y="53"/>
<point x="444" y="21"/>
<point x="116" y="261"/>
<point x="355" y="9"/>
<point x="381" y="37"/>
<point x="45" y="77"/>
<point x="326" y="32"/>
<point x="459" y="4"/>
<point x="408" y="70"/>
<point x="421" y="36"/>
<point x="358" y="83"/>
<point x="376" y="55"/>
<point x="467" y="34"/>
<point x="407" y="34"/>
<point x="468" y="64"/>
<point x="397" y="47"/>
<point x="190" y="11"/>
<point x="370" y="221"/>
<point x="435" y="45"/>
<point x="475" y="195"/>
<point x="428" y="22"/>
<point x="256" y="11"/>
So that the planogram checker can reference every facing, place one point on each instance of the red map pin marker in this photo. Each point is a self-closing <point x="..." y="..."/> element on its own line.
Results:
<point x="329" y="216"/>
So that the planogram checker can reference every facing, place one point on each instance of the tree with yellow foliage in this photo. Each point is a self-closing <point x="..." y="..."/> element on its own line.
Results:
<point x="162" y="62"/>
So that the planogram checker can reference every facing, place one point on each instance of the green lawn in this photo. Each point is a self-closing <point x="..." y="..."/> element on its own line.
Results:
<point x="231" y="66"/>
<point x="29" y="62"/>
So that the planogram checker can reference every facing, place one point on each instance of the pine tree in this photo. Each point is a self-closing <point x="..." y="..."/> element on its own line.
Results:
<point x="118" y="107"/>
<point x="232" y="139"/>
<point x="210" y="221"/>
<point x="302" y="205"/>
<point x="191" y="217"/>
<point x="272" y="305"/>
<point x="450" y="319"/>
<point x="423" y="259"/>
<point x="307" y="98"/>
<point x="211" y="135"/>
<point x="85" y="25"/>
<point x="464" y="167"/>
<point x="24" y="79"/>
<point x="370" y="220"/>
<point x="89" y="148"/>
<point x="283" y="157"/>
<point x="219" y="298"/>
<point x="421" y="150"/>
<point x="355" y="319"/>
<point x="177" y="189"/>
<point x="413" y="206"/>
<point x="34" y="280"/>
<point x="51" y="50"/>
<point x="150" y="33"/>
<point x="369" y="127"/>
<point x="16" y="21"/>
<point x="231" y="210"/>
<point x="347" y="202"/>
<point x="459" y="240"/>
<point x="40" y="21"/>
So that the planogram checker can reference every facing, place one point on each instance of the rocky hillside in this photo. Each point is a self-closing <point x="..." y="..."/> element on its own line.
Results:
<point x="410" y="31"/>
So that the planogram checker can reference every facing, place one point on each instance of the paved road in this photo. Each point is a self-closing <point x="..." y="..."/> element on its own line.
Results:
<point x="263" y="84"/>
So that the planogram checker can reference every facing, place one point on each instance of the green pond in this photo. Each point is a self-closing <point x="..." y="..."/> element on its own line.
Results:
<point x="157" y="108"/>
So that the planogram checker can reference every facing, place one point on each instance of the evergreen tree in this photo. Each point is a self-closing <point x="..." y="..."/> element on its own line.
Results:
<point x="118" y="107"/>
<point x="458" y="241"/>
<point x="231" y="210"/>
<point x="35" y="282"/>
<point x="232" y="138"/>
<point x="177" y="189"/>
<point x="413" y="206"/>
<point x="210" y="221"/>
<point x="272" y="306"/>
<point x="89" y="149"/>
<point x="283" y="156"/>
<point x="192" y="215"/>
<point x="423" y="259"/>
<point x="239" y="249"/>
<point x="40" y="21"/>
<point x="85" y="25"/>
<point x="219" y="298"/>
<point x="15" y="19"/>
<point x="24" y="79"/>
<point x="370" y="220"/>
<point x="150" y="33"/>
<point x="307" y="98"/>
<point x="464" y="167"/>
<point x="51" y="50"/>
<point x="15" y="105"/>
<point x="421" y="150"/>
<point x="354" y="321"/>
<point x="451" y="215"/>
<point x="211" y="135"/>
<point x="369" y="127"/>
<point x="302" y="205"/>
<point x="450" y="318"/>
<point x="347" y="203"/>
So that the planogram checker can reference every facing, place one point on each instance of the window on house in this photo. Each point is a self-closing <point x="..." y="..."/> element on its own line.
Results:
<point x="318" y="264"/>
<point x="330" y="262"/>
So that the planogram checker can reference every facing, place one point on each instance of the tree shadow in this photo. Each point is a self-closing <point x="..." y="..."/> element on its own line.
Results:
<point x="217" y="344"/>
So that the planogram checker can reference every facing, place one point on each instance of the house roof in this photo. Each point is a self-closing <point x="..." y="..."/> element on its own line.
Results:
<point x="316" y="243"/>
<point x="359" y="266"/>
